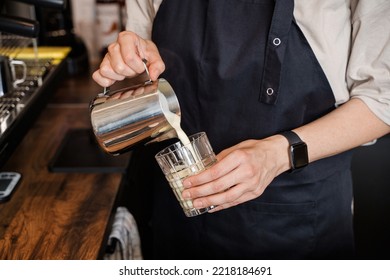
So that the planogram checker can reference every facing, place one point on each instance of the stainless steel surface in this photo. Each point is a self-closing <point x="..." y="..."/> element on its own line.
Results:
<point x="23" y="101"/>
<point x="54" y="4"/>
<point x="22" y="92"/>
<point x="19" y="26"/>
<point x="13" y="103"/>
<point x="132" y="115"/>
<point x="13" y="72"/>
<point x="11" y="45"/>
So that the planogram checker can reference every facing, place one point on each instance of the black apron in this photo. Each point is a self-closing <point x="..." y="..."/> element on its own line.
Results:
<point x="242" y="69"/>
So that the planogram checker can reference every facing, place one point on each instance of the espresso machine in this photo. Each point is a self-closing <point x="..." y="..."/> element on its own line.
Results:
<point x="55" y="27"/>
<point x="27" y="26"/>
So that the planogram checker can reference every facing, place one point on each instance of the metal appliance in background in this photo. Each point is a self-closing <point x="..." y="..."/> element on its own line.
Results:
<point x="23" y="99"/>
<point x="16" y="34"/>
<point x="55" y="28"/>
<point x="9" y="79"/>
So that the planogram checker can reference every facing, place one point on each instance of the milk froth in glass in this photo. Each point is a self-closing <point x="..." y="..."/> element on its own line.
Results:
<point x="187" y="157"/>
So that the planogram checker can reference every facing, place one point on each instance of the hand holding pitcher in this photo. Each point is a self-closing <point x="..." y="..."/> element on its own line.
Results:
<point x="124" y="59"/>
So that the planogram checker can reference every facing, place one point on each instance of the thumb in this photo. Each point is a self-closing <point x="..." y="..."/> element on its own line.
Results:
<point x="155" y="64"/>
<point x="155" y="69"/>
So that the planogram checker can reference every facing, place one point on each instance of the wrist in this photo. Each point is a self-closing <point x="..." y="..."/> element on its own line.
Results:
<point x="297" y="150"/>
<point x="280" y="147"/>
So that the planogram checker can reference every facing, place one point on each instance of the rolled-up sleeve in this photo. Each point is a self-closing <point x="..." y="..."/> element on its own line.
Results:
<point x="140" y="16"/>
<point x="368" y="73"/>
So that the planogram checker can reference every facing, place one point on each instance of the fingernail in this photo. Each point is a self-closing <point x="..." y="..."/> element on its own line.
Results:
<point x="198" y="204"/>
<point x="186" y="195"/>
<point x="187" y="184"/>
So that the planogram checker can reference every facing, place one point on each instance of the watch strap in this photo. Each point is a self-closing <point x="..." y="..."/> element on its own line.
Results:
<point x="292" y="137"/>
<point x="298" y="160"/>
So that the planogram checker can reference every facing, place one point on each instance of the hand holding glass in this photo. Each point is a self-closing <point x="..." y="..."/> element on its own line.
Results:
<point x="178" y="161"/>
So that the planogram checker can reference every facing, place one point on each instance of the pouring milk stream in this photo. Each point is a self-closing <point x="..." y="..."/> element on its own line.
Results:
<point x="178" y="173"/>
<point x="174" y="120"/>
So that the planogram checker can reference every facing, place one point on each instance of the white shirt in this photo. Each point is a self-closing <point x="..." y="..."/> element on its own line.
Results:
<point x="350" y="38"/>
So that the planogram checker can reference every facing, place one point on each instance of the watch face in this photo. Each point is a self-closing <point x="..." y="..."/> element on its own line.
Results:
<point x="299" y="155"/>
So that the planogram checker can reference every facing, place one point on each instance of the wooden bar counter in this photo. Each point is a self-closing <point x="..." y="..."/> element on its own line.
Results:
<point x="58" y="215"/>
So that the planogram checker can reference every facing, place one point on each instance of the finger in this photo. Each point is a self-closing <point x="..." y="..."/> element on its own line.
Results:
<point x="155" y="69"/>
<point x="155" y="63"/>
<point x="107" y="71"/>
<point x="243" y="198"/>
<point x="219" y="185"/>
<point x="218" y="170"/>
<point x="134" y="49"/>
<point x="130" y="53"/>
<point x="102" y="81"/>
<point x="223" y="198"/>
<point x="117" y="62"/>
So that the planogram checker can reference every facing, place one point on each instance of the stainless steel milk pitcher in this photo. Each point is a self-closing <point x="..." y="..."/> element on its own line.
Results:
<point x="123" y="118"/>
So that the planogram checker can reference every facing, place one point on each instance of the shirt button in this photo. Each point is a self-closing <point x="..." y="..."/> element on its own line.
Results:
<point x="270" y="91"/>
<point x="276" y="41"/>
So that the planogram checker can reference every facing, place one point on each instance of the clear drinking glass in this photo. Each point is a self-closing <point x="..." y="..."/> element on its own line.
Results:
<point x="179" y="161"/>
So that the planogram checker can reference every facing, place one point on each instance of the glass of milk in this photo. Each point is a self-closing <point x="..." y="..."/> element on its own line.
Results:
<point x="178" y="161"/>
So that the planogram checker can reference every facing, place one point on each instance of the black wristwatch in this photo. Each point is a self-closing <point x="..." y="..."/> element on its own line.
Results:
<point x="297" y="151"/>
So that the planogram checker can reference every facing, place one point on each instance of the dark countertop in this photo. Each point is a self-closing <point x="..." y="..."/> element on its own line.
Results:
<point x="66" y="214"/>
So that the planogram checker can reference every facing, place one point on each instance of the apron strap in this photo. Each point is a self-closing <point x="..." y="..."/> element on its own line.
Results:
<point x="276" y="47"/>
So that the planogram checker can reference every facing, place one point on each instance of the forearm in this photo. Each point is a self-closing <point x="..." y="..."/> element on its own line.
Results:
<point x="245" y="170"/>
<point x="347" y="127"/>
